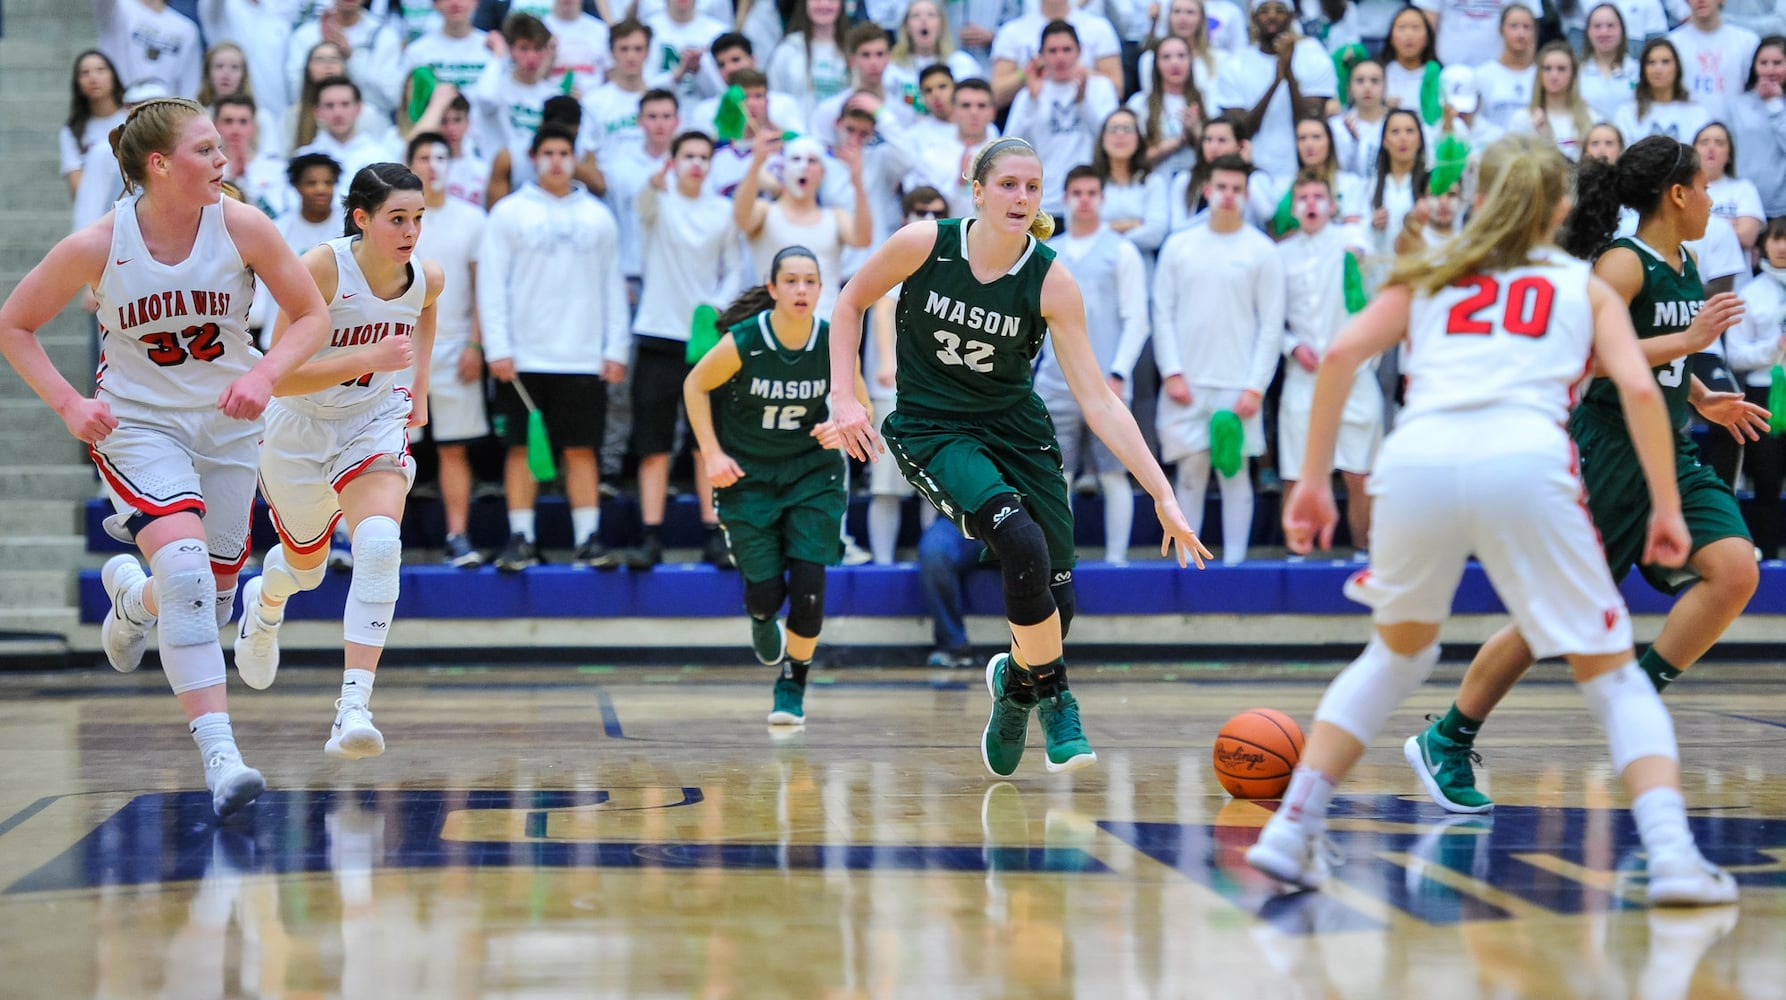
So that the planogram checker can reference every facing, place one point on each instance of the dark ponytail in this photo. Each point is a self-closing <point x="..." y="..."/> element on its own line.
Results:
<point x="756" y="298"/>
<point x="1638" y="180"/>
<point x="371" y="186"/>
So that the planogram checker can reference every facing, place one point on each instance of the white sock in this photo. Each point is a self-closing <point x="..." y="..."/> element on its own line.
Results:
<point x="521" y="523"/>
<point x="883" y="528"/>
<point x="1119" y="515"/>
<point x="130" y="602"/>
<point x="1661" y="815"/>
<point x="1306" y="800"/>
<point x="356" y="685"/>
<point x="584" y="522"/>
<point x="212" y="731"/>
<point x="226" y="606"/>
<point x="1237" y="515"/>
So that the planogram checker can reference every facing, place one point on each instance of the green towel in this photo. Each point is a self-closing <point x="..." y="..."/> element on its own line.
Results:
<point x="1776" y="401"/>
<point x="1432" y="99"/>
<point x="1226" y="438"/>
<point x="1449" y="161"/>
<point x="568" y="84"/>
<point x="1356" y="299"/>
<point x="421" y="90"/>
<point x="539" y="448"/>
<point x="703" y="333"/>
<point x="729" y="120"/>
<point x="1344" y="58"/>
<point x="1284" y="219"/>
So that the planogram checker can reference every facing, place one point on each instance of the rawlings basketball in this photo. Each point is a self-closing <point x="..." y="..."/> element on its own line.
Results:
<point x="1255" y="752"/>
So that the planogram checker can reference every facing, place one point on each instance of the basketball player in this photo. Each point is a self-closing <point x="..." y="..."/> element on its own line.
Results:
<point x="174" y="422"/>
<point x="780" y="486"/>
<point x="1500" y="325"/>
<point x="972" y="435"/>
<point x="1659" y="283"/>
<point x="336" y="442"/>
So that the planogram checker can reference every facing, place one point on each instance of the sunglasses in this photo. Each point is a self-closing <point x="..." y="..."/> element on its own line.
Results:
<point x="929" y="213"/>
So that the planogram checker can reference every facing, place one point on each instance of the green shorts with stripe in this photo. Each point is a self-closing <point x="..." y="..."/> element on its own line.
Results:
<point x="1619" y="500"/>
<point x="790" y="510"/>
<point x="959" y="464"/>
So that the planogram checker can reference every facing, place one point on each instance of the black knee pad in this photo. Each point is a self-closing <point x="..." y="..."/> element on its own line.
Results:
<point x="762" y="599"/>
<point x="1022" y="551"/>
<point x="1060" y="587"/>
<point x="806" y="598"/>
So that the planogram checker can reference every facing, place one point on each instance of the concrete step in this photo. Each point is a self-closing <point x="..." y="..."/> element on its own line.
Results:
<point x="46" y="446"/>
<point x="61" y="24"/>
<point x="53" y="619"/>
<point x="42" y="482"/>
<point x="44" y="552"/>
<point x="41" y="518"/>
<point x="36" y="588"/>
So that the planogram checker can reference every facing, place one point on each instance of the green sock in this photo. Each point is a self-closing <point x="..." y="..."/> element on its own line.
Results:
<point x="1662" y="673"/>
<point x="1458" y="727"/>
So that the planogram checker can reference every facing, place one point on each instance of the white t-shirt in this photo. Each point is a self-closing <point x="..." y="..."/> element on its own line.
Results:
<point x="1019" y="41"/>
<point x="149" y="44"/>
<point x="1604" y="92"/>
<point x="1735" y="198"/>
<point x="627" y="169"/>
<point x="101" y="183"/>
<point x="505" y="113"/>
<point x="610" y="120"/>
<point x="1714" y="65"/>
<point x="900" y="83"/>
<point x="263" y="30"/>
<point x="1401" y="86"/>
<point x="583" y="51"/>
<point x="1679" y="120"/>
<point x="468" y="177"/>
<point x="668" y="38"/>
<point x="828" y="74"/>
<point x="458" y="61"/>
<point x="1505" y="93"/>
<point x="1244" y="78"/>
<point x="1470" y="30"/>
<point x="450" y="235"/>
<point x="687" y="260"/>
<point x="1219" y="308"/>
<point x="1357" y="153"/>
<point x="1720" y="252"/>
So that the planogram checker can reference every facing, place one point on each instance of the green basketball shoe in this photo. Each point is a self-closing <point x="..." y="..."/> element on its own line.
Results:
<point x="1001" y="745"/>
<point x="769" y="641"/>
<point x="789" y="709"/>
<point x="1068" y="749"/>
<point x="1443" y="767"/>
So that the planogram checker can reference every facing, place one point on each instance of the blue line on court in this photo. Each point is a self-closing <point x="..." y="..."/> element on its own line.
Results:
<point x="26" y="813"/>
<point x="610" y="718"/>
<point x="1777" y="724"/>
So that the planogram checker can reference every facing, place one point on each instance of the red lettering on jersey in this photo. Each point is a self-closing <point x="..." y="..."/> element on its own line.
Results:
<point x="1612" y="618"/>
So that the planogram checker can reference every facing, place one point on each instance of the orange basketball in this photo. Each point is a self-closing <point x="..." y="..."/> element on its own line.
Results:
<point x="1255" y="752"/>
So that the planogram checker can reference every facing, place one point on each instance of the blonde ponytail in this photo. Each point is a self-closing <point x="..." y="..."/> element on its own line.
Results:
<point x="152" y="127"/>
<point x="1042" y="226"/>
<point x="1524" y="178"/>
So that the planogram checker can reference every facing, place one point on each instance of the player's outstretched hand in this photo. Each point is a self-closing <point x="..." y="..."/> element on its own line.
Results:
<point x="246" y="397"/>
<point x="721" y="469"/>
<point x="1720" y="312"/>
<point x="1178" y="532"/>
<point x="89" y="420"/>
<point x="395" y="353"/>
<point x="1668" y="543"/>
<point x="1310" y="516"/>
<point x="855" y="435"/>
<point x="1744" y="420"/>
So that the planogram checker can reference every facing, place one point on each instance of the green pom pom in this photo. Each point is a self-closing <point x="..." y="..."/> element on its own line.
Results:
<point x="1356" y="298"/>
<point x="421" y="90"/>
<point x="1226" y="440"/>
<point x="1284" y="219"/>
<point x="1776" y="401"/>
<point x="1449" y="161"/>
<point x="1432" y="97"/>
<point x="703" y="333"/>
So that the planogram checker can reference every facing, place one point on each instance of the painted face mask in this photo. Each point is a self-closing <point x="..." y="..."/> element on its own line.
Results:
<point x="798" y="159"/>
<point x="1312" y="206"/>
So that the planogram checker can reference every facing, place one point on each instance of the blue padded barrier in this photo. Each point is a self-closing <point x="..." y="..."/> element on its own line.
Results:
<point x="699" y="591"/>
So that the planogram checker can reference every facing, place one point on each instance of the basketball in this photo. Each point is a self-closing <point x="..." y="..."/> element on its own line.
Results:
<point x="1255" y="752"/>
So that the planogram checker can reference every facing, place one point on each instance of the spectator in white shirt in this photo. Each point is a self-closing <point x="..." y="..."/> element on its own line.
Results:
<point x="1758" y="124"/>
<point x="680" y="36"/>
<point x="95" y="107"/>
<point x="1268" y="81"/>
<point x="1334" y="23"/>
<point x="1059" y="110"/>
<point x="944" y="164"/>
<point x="1184" y="20"/>
<point x="315" y="216"/>
<point x="1400" y="178"/>
<point x="508" y="101"/>
<point x="809" y="63"/>
<point x="374" y="54"/>
<point x="688" y="255"/>
<point x="1172" y="109"/>
<point x="454" y="52"/>
<point x="733" y="52"/>
<point x="512" y="167"/>
<point x="263" y="29"/>
<point x="1608" y="71"/>
<point x="1733" y="198"/>
<point x="1714" y="56"/>
<point x="867" y="46"/>
<point x="226" y="73"/>
<point x="1226" y="23"/>
<point x="337" y="128"/>
<point x="1133" y="196"/>
<point x="552" y="308"/>
<point x="297" y="128"/>
<point x="975" y="23"/>
<point x="1467" y="31"/>
<point x="1409" y="60"/>
<point x="611" y="111"/>
<point x="259" y="175"/>
<point x="1755" y="346"/>
<point x="145" y="40"/>
<point x="1661" y="104"/>
<point x="1557" y="111"/>
<point x="580" y="42"/>
<point x="1218" y="297"/>
<point x="923" y="41"/>
<point x="1017" y="48"/>
<point x="1504" y="87"/>
<point x="1358" y="131"/>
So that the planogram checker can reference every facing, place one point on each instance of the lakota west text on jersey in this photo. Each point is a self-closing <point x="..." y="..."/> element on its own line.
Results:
<point x="155" y="307"/>
<point x="367" y="333"/>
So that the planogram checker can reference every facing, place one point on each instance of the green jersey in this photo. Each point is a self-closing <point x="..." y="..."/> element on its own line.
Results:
<point x="967" y="346"/>
<point x="1666" y="304"/>
<point x="778" y="395"/>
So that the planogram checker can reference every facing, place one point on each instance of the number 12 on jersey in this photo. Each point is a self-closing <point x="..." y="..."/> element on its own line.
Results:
<point x="1525" y="312"/>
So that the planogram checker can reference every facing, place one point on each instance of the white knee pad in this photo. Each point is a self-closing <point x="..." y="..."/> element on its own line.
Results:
<point x="280" y="581"/>
<point x="1628" y="708"/>
<point x="186" y="593"/>
<point x="1360" y="699"/>
<point x="377" y="560"/>
<point x="377" y="579"/>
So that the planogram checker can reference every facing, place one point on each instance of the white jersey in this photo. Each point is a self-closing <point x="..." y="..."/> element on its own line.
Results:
<point x="1516" y="340"/>
<point x="174" y="335"/>
<point x="358" y="317"/>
